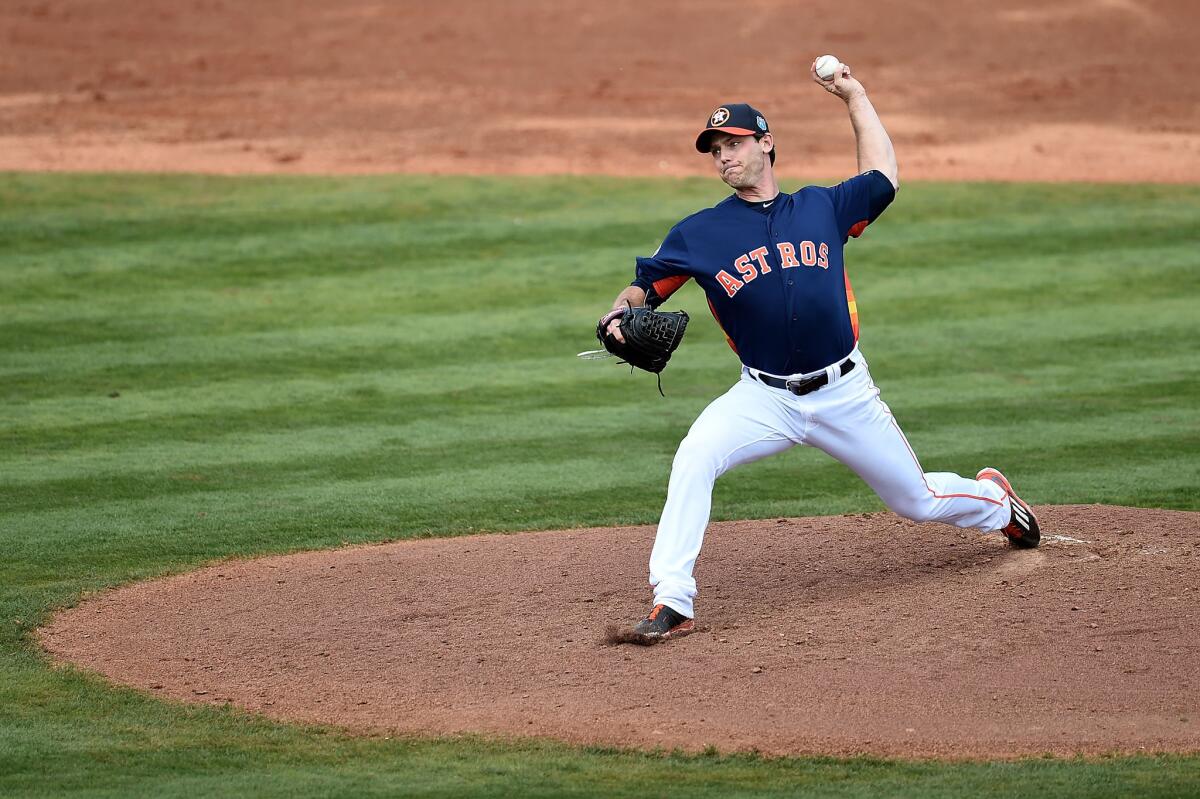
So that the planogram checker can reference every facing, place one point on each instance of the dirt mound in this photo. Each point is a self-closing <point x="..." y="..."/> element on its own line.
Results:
<point x="1013" y="89"/>
<point x="821" y="635"/>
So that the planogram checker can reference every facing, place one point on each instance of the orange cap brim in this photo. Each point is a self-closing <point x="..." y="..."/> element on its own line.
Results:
<point x="702" y="139"/>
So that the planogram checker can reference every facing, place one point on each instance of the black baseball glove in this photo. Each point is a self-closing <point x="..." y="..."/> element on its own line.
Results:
<point x="650" y="336"/>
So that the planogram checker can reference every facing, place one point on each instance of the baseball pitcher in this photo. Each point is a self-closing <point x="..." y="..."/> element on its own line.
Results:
<point x="772" y="266"/>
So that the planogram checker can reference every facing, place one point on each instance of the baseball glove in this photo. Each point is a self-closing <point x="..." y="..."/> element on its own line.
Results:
<point x="650" y="336"/>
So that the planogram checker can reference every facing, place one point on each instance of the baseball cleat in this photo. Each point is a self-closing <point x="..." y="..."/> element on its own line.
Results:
<point x="662" y="624"/>
<point x="1022" y="530"/>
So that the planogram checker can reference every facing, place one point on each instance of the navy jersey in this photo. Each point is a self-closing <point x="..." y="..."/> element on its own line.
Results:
<point x="773" y="271"/>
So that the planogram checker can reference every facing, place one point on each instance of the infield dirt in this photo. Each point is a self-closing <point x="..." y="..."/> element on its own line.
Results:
<point x="836" y="635"/>
<point x="1010" y="90"/>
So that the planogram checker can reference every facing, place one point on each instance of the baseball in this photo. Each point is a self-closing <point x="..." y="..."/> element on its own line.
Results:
<point x="827" y="66"/>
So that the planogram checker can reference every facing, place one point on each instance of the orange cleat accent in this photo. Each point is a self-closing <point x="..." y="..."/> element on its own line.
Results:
<point x="1022" y="529"/>
<point x="662" y="624"/>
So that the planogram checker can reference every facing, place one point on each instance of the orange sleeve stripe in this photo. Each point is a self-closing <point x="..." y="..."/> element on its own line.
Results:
<point x="669" y="285"/>
<point x="857" y="228"/>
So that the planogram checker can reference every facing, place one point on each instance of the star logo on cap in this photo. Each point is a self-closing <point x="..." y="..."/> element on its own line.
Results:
<point x="719" y="117"/>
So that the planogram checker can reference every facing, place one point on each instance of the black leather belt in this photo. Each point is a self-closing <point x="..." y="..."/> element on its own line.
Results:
<point x="807" y="385"/>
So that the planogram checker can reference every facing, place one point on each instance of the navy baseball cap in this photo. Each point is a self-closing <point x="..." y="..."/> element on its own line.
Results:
<point x="738" y="119"/>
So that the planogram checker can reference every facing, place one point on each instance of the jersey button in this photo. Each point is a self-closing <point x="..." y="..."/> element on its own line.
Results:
<point x="789" y="282"/>
<point x="794" y="317"/>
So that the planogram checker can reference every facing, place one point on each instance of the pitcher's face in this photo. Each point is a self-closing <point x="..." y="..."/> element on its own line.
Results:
<point x="740" y="160"/>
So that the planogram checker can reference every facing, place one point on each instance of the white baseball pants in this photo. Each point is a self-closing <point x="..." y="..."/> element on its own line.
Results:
<point x="846" y="419"/>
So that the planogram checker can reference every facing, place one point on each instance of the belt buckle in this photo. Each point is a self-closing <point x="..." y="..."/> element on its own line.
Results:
<point x="798" y="387"/>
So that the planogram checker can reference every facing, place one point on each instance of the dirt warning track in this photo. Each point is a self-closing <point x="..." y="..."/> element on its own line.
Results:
<point x="836" y="635"/>
<point x="1076" y="90"/>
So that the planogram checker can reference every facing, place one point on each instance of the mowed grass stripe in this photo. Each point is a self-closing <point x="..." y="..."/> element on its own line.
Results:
<point x="402" y="332"/>
<point x="258" y="261"/>
<point x="988" y="264"/>
<point x="802" y="482"/>
<point x="175" y="459"/>
<point x="1019" y="234"/>
<point x="258" y="447"/>
<point x="219" y="210"/>
<point x="414" y="344"/>
<point x="209" y="405"/>
<point x="305" y="362"/>
<point x="120" y="535"/>
<point x="1069" y="414"/>
<point x="371" y="470"/>
<point x="1151" y="271"/>
<point x="1093" y="404"/>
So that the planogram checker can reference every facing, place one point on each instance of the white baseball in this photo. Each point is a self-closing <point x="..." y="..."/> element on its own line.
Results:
<point x="828" y="66"/>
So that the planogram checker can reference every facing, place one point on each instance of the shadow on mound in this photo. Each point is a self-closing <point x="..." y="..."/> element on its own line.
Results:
<point x="842" y="635"/>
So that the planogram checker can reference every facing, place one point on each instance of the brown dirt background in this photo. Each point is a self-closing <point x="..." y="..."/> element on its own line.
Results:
<point x="838" y="635"/>
<point x="1011" y="89"/>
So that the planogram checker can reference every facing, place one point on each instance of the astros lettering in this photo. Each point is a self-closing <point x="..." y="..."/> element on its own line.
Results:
<point x="751" y="264"/>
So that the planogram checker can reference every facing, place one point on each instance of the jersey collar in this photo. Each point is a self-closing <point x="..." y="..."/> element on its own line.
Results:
<point x="762" y="206"/>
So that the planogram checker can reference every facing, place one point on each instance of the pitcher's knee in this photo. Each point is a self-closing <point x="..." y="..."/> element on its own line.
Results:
<point x="914" y="508"/>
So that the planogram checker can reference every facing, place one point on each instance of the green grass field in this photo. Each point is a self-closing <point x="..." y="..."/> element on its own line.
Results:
<point x="195" y="368"/>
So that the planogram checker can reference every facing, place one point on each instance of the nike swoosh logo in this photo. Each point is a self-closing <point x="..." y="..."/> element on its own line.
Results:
<point x="768" y="205"/>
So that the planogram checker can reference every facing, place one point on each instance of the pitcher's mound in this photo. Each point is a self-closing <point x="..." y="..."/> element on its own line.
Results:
<point x="820" y="635"/>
